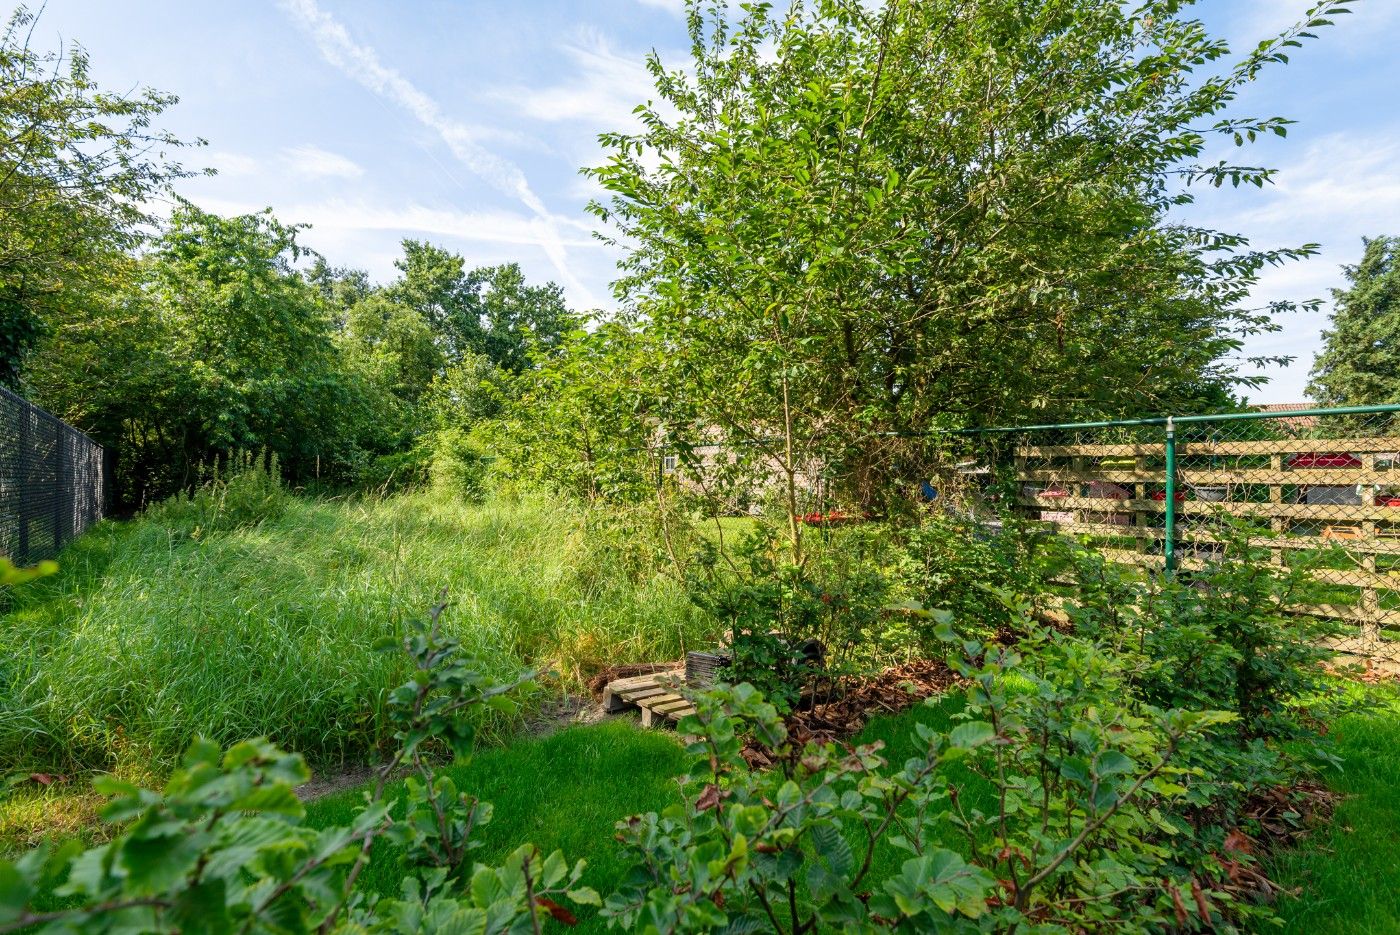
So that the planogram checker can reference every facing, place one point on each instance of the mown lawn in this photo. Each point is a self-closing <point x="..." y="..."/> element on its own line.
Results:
<point x="1349" y="871"/>
<point x="566" y="792"/>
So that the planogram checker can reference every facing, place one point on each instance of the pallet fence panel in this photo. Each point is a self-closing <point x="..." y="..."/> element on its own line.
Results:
<point x="52" y="481"/>
<point x="1311" y="488"/>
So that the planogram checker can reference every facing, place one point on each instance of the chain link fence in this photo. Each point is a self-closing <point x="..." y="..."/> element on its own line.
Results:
<point x="1311" y="491"/>
<point x="52" y="481"/>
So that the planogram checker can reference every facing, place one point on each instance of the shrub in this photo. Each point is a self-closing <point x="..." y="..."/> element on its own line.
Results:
<point x="1078" y="840"/>
<point x="395" y="472"/>
<point x="950" y="563"/>
<point x="245" y="491"/>
<point x="1216" y="637"/>
<point x="459" y="465"/>
<point x="788" y="622"/>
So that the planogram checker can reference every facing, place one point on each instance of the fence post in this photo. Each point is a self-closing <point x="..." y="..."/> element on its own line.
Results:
<point x="58" y="485"/>
<point x="1169" y="532"/>
<point x="23" y="456"/>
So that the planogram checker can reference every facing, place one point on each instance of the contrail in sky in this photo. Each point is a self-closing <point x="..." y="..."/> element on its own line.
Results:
<point x="362" y="63"/>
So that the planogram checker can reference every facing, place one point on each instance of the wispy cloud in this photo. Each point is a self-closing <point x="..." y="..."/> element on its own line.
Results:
<point x="1341" y="188"/>
<point x="227" y="163"/>
<point x="670" y="6"/>
<point x="603" y="91"/>
<point x="1367" y="23"/>
<point x="362" y="63"/>
<point x="314" y="162"/>
<point x="353" y="214"/>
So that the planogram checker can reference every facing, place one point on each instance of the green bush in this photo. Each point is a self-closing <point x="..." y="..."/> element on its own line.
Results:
<point x="243" y="491"/>
<point x="395" y="472"/>
<point x="950" y="563"/>
<point x="460" y="464"/>
<point x="777" y="612"/>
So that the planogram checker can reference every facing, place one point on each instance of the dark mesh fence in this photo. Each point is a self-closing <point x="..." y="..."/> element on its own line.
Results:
<point x="51" y="481"/>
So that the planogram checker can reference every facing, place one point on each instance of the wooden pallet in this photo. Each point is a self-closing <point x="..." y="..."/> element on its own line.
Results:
<point x="653" y="693"/>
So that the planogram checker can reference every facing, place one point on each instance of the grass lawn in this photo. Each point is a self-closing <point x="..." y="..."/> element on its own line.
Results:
<point x="566" y="791"/>
<point x="1349" y="871"/>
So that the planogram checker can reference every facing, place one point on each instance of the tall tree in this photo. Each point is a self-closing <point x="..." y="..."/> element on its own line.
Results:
<point x="77" y="169"/>
<point x="519" y="319"/>
<point x="851" y="222"/>
<point x="1359" y="364"/>
<point x="434" y="283"/>
<point x="221" y="343"/>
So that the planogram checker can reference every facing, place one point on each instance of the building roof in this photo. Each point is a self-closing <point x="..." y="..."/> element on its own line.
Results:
<point x="1296" y="422"/>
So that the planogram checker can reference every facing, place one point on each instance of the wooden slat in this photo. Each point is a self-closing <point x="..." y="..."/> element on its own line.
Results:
<point x="621" y="694"/>
<point x="1217" y="477"/>
<point x="1126" y="450"/>
<point x="1348" y="613"/>
<point x="640" y="681"/>
<point x="638" y="694"/>
<point x="658" y="710"/>
<point x="1377" y="546"/>
<point x="1319" y="511"/>
<point x="1378" y="445"/>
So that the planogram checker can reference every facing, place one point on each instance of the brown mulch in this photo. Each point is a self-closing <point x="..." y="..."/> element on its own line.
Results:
<point x="1365" y="670"/>
<point x="854" y="700"/>
<point x="1280" y="818"/>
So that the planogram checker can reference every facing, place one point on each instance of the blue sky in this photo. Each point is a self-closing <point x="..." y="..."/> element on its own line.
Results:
<point x="465" y="123"/>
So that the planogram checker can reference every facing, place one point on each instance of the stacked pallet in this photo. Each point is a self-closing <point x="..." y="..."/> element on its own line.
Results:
<point x="653" y="693"/>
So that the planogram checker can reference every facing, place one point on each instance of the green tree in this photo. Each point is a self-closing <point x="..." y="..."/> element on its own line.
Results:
<point x="434" y="283"/>
<point x="1359" y="364"/>
<point x="221" y="344"/>
<point x="519" y="318"/>
<point x="850" y="223"/>
<point x="77" y="170"/>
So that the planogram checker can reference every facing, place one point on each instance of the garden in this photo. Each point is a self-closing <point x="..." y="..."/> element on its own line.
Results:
<point x="1173" y="756"/>
<point x="383" y="560"/>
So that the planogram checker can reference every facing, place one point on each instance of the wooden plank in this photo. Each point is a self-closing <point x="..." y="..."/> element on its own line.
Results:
<point x="1218" y="477"/>
<point x="640" y="681"/>
<point x="638" y="695"/>
<point x="657" y="713"/>
<point x="1381" y="444"/>
<point x="1377" y="546"/>
<point x="621" y="694"/>
<point x="1319" y="511"/>
<point x="1125" y="450"/>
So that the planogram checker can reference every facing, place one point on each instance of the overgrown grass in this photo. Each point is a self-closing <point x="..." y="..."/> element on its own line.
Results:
<point x="152" y="633"/>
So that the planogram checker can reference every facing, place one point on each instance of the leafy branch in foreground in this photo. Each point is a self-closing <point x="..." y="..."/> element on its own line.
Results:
<point x="1082" y="779"/>
<point x="223" y="848"/>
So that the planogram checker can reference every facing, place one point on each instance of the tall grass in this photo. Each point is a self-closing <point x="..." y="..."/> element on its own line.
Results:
<point x="157" y="629"/>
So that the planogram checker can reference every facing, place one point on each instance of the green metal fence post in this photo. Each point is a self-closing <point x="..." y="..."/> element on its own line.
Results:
<point x="1169" y="533"/>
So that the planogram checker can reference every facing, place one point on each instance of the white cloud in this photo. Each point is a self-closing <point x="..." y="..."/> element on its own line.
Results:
<point x="227" y="163"/>
<point x="670" y="6"/>
<point x="1343" y="187"/>
<point x="1367" y="23"/>
<point x="604" y="92"/>
<point x="314" y="162"/>
<point x="362" y="63"/>
<point x="499" y="227"/>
